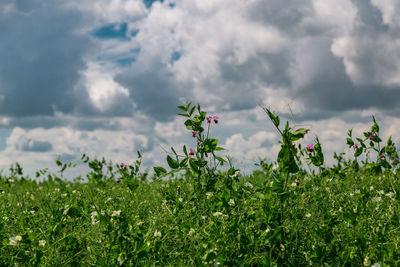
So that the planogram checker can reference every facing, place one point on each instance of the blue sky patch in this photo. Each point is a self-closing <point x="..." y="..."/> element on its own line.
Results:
<point x="149" y="3"/>
<point x="112" y="31"/>
<point x="175" y="56"/>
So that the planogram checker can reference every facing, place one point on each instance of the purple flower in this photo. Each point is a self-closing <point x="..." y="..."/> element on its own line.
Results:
<point x="355" y="146"/>
<point x="215" y="118"/>
<point x="194" y="133"/>
<point x="191" y="152"/>
<point x="372" y="136"/>
<point x="310" y="147"/>
<point x="383" y="156"/>
<point x="209" y="119"/>
<point x="124" y="166"/>
<point x="118" y="180"/>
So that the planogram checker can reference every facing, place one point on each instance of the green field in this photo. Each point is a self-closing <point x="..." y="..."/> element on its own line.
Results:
<point x="203" y="211"/>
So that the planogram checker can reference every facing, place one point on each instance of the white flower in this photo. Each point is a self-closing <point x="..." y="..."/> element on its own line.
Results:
<point x="209" y="195"/>
<point x="157" y="234"/>
<point x="248" y="185"/>
<point x="268" y="230"/>
<point x="116" y="213"/>
<point x="180" y="199"/>
<point x="42" y="243"/>
<point x="371" y="188"/>
<point x="367" y="261"/>
<point x="376" y="264"/>
<point x="357" y="191"/>
<point x="381" y="192"/>
<point x="308" y="215"/>
<point x="93" y="216"/>
<point x="236" y="174"/>
<point x="390" y="194"/>
<point x="218" y="214"/>
<point x="376" y="199"/>
<point x="231" y="202"/>
<point x="293" y="184"/>
<point x="191" y="231"/>
<point x="139" y="223"/>
<point x="14" y="240"/>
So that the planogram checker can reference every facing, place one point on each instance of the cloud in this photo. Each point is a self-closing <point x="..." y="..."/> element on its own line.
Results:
<point x="40" y="58"/>
<point x="97" y="75"/>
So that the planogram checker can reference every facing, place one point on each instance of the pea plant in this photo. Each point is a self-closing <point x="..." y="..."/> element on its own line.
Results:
<point x="202" y="160"/>
<point x="386" y="156"/>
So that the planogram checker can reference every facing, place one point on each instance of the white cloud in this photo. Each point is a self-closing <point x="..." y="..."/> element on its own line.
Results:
<point x="390" y="10"/>
<point x="370" y="59"/>
<point x="102" y="89"/>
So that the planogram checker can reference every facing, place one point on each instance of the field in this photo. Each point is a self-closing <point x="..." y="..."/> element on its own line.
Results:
<point x="203" y="211"/>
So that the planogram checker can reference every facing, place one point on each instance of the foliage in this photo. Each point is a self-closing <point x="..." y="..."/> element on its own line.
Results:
<point x="281" y="215"/>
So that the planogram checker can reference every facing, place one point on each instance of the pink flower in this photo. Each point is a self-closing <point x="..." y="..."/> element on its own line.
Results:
<point x="118" y="180"/>
<point x="194" y="133"/>
<point x="383" y="155"/>
<point x="215" y="118"/>
<point x="191" y="152"/>
<point x="355" y="146"/>
<point x="310" y="147"/>
<point x="209" y="119"/>
<point x="124" y="166"/>
<point x="372" y="136"/>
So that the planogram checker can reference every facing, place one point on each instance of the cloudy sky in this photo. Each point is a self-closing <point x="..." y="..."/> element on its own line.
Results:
<point x="104" y="77"/>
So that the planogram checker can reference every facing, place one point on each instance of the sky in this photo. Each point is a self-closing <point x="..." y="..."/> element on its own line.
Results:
<point x="104" y="77"/>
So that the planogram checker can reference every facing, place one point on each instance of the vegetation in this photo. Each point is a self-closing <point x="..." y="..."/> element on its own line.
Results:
<point x="202" y="213"/>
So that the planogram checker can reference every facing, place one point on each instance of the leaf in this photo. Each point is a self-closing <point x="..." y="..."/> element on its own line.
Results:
<point x="174" y="164"/>
<point x="219" y="148"/>
<point x="350" y="142"/>
<point x="182" y="108"/>
<point x="192" y="110"/>
<point x="184" y="115"/>
<point x="299" y="133"/>
<point x="220" y="159"/>
<point x="194" y="166"/>
<point x="159" y="171"/>
<point x="183" y="163"/>
<point x="185" y="151"/>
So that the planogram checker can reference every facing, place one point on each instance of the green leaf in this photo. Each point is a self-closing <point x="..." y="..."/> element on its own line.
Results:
<point x="219" y="148"/>
<point x="185" y="151"/>
<point x="183" y="163"/>
<point x="192" y="110"/>
<point x="184" y="115"/>
<point x="182" y="108"/>
<point x="350" y="142"/>
<point x="194" y="166"/>
<point x="174" y="164"/>
<point x="189" y="124"/>
<point x="220" y="159"/>
<point x="159" y="171"/>
<point x="299" y="133"/>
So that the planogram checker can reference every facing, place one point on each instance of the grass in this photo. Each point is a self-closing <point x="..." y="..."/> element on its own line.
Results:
<point x="334" y="218"/>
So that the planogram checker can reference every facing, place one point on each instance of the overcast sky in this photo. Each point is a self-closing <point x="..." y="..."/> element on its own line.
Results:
<point x="104" y="77"/>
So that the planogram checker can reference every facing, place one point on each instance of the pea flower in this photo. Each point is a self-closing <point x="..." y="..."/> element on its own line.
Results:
<point x="191" y="152"/>
<point x="209" y="119"/>
<point x="383" y="155"/>
<point x="372" y="136"/>
<point x="118" y="180"/>
<point x="355" y="146"/>
<point x="310" y="147"/>
<point x="194" y="133"/>
<point x="215" y="118"/>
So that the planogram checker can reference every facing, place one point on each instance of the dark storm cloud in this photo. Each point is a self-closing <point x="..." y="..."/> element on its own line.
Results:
<point x="30" y="145"/>
<point x="40" y="58"/>
<point x="154" y="91"/>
